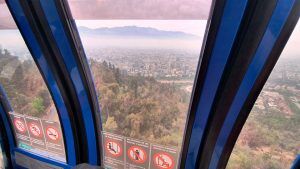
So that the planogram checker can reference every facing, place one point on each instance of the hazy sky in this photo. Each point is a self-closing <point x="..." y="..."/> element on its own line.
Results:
<point x="6" y="20"/>
<point x="175" y="15"/>
<point x="292" y="48"/>
<point x="128" y="10"/>
<point x="12" y="39"/>
<point x="196" y="27"/>
<point x="140" y="9"/>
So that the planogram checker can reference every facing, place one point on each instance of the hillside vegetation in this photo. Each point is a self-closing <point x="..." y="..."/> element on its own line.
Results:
<point x="24" y="86"/>
<point x="144" y="108"/>
<point x="140" y="107"/>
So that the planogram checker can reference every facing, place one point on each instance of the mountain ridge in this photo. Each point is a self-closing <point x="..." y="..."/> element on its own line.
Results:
<point x="135" y="31"/>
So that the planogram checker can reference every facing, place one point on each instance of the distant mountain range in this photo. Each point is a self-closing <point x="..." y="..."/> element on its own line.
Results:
<point x="134" y="31"/>
<point x="7" y="23"/>
<point x="3" y="26"/>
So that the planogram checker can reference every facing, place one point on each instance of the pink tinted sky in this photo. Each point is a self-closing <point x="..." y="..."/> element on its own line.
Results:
<point x="129" y="10"/>
<point x="149" y="13"/>
<point x="6" y="20"/>
<point x="140" y="9"/>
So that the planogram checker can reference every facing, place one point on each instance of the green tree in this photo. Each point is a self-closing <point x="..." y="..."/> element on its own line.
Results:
<point x="38" y="106"/>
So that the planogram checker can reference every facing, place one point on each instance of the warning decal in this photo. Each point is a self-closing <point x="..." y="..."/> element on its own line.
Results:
<point x="52" y="134"/>
<point x="36" y="134"/>
<point x="163" y="157"/>
<point x="114" y="150"/>
<point x="20" y="126"/>
<point x="53" y="137"/>
<point x="137" y="154"/>
<point x="123" y="152"/>
<point x="163" y="160"/>
<point x="35" y="130"/>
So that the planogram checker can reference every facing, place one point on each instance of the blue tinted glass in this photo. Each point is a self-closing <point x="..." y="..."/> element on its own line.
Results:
<point x="33" y="114"/>
<point x="271" y="135"/>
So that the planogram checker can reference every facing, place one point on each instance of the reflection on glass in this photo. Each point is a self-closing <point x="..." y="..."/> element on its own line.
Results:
<point x="143" y="59"/>
<point x="33" y="115"/>
<point x="2" y="154"/>
<point x="1" y="159"/>
<point x="271" y="135"/>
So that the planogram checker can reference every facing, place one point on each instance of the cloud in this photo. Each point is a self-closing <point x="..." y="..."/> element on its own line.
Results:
<point x="140" y="9"/>
<point x="126" y="9"/>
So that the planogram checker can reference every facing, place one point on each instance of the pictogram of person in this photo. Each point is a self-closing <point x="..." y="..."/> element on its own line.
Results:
<point x="164" y="162"/>
<point x="137" y="155"/>
<point x="111" y="148"/>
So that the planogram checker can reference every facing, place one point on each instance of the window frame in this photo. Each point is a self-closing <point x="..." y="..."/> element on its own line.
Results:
<point x="282" y="23"/>
<point x="68" y="56"/>
<point x="52" y="84"/>
<point x="220" y="37"/>
<point x="202" y="121"/>
<point x="6" y="146"/>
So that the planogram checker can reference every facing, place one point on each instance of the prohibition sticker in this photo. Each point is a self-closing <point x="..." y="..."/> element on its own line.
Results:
<point x="113" y="156"/>
<point x="137" y="154"/>
<point x="114" y="148"/>
<point x="53" y="137"/>
<point x="35" y="130"/>
<point x="52" y="134"/>
<point x="20" y="126"/>
<point x="163" y="161"/>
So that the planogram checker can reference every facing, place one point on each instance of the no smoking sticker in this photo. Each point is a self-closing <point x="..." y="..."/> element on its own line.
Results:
<point x="52" y="134"/>
<point x="114" y="148"/>
<point x="163" y="161"/>
<point x="35" y="130"/>
<point x="137" y="154"/>
<point x="53" y="137"/>
<point x="20" y="126"/>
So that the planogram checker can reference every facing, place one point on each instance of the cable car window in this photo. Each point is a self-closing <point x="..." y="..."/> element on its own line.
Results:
<point x="143" y="56"/>
<point x="33" y="114"/>
<point x="271" y="135"/>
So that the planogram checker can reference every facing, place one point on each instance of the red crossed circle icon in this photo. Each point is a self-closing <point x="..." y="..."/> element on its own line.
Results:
<point x="163" y="161"/>
<point x="137" y="154"/>
<point x="20" y="126"/>
<point x="52" y="133"/>
<point x="35" y="130"/>
<point x="114" y="148"/>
